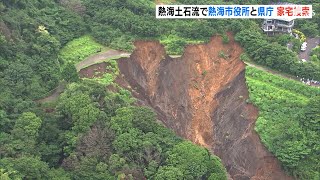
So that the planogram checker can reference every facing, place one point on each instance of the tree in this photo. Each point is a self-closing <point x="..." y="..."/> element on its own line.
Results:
<point x="283" y="39"/>
<point x="296" y="45"/>
<point x="312" y="115"/>
<point x="116" y="163"/>
<point x="24" y="135"/>
<point x="194" y="162"/>
<point x="96" y="143"/>
<point x="5" y="123"/>
<point x="310" y="29"/>
<point x="69" y="73"/>
<point x="27" y="126"/>
<point x="169" y="172"/>
<point x="78" y="107"/>
<point x="27" y="167"/>
<point x="144" y="119"/>
<point x="58" y="174"/>
<point x="128" y="143"/>
<point x="91" y="168"/>
<point x="4" y="175"/>
<point x="74" y="5"/>
<point x="46" y="45"/>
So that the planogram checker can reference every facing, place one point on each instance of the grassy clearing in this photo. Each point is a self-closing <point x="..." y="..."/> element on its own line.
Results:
<point x="79" y="49"/>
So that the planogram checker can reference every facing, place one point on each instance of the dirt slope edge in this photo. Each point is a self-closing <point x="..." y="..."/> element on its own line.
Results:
<point x="202" y="97"/>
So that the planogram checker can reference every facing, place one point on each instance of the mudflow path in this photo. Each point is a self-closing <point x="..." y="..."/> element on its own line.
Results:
<point x="202" y="97"/>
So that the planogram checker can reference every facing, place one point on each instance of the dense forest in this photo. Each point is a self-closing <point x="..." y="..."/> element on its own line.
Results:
<point x="41" y="41"/>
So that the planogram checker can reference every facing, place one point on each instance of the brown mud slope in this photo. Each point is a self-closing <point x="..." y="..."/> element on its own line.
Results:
<point x="94" y="71"/>
<point x="202" y="97"/>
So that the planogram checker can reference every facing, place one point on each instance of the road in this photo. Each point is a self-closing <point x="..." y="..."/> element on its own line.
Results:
<point x="97" y="58"/>
<point x="311" y="43"/>
<point x="54" y="95"/>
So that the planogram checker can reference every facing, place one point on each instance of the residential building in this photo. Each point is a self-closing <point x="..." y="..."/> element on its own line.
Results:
<point x="279" y="25"/>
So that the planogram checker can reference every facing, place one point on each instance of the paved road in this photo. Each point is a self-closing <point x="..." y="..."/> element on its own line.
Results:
<point x="311" y="43"/>
<point x="97" y="58"/>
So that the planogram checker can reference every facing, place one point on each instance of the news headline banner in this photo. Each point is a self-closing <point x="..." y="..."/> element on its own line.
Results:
<point x="233" y="11"/>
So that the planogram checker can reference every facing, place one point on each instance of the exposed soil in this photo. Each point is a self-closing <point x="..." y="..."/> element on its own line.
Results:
<point x="202" y="97"/>
<point x="94" y="71"/>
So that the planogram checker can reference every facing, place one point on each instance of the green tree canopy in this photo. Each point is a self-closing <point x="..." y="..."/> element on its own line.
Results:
<point x="69" y="73"/>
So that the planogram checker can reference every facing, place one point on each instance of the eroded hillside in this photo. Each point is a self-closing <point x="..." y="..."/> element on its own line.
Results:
<point x="202" y="97"/>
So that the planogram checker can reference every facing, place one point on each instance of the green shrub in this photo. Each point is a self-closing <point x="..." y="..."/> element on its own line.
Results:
<point x="204" y="73"/>
<point x="244" y="57"/>
<point x="225" y="39"/>
<point x="222" y="55"/>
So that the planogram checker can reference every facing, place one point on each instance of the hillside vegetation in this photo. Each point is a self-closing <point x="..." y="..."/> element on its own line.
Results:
<point x="89" y="132"/>
<point x="97" y="134"/>
<point x="289" y="121"/>
<point x="41" y="40"/>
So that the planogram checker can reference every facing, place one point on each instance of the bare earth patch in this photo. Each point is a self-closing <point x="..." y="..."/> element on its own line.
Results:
<point x="202" y="97"/>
